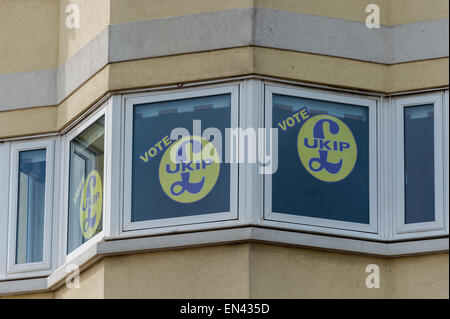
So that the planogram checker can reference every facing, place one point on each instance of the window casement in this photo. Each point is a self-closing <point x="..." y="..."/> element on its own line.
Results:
<point x="85" y="153"/>
<point x="192" y="187"/>
<point x="327" y="162"/>
<point x="31" y="207"/>
<point x="419" y="166"/>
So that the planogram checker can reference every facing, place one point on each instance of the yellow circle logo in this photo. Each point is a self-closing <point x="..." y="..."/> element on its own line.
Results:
<point x="327" y="148"/>
<point x="91" y="205"/>
<point x="189" y="169"/>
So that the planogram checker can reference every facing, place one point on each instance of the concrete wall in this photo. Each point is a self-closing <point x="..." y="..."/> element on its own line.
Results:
<point x="251" y="270"/>
<point x="94" y="18"/>
<point x="91" y="286"/>
<point x="194" y="67"/>
<point x="43" y="63"/>
<point x="286" y="272"/>
<point x="136" y="10"/>
<point x="391" y="12"/>
<point x="213" y="272"/>
<point x="29" y="37"/>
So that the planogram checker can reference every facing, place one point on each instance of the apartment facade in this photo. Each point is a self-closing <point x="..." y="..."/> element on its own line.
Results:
<point x="348" y="198"/>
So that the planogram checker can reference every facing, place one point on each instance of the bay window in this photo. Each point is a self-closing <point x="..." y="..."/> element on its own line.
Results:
<point x="152" y="163"/>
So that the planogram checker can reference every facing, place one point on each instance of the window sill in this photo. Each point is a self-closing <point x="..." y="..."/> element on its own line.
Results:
<point x="224" y="236"/>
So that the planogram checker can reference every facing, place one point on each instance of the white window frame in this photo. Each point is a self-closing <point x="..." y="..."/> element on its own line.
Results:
<point x="402" y="230"/>
<point x="85" y="124"/>
<point x="43" y="267"/>
<point x="168" y="225"/>
<point x="327" y="226"/>
<point x="4" y="198"/>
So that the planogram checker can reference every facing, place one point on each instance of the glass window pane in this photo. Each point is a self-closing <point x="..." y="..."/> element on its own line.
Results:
<point x="324" y="171"/>
<point x="161" y="189"/>
<point x="419" y="163"/>
<point x="31" y="207"/>
<point x="86" y="185"/>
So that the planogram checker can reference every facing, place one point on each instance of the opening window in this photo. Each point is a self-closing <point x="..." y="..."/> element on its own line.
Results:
<point x="86" y="184"/>
<point x="419" y="166"/>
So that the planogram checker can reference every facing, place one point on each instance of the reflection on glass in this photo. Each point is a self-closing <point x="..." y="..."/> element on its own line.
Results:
<point x="419" y="163"/>
<point x="190" y="190"/>
<point x="30" y="207"/>
<point x="86" y="185"/>
<point x="295" y="191"/>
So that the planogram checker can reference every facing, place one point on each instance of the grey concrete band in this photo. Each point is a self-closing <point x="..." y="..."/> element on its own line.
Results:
<point x="27" y="89"/>
<point x="281" y="30"/>
<point x="83" y="65"/>
<point x="193" y="33"/>
<point x="350" y="39"/>
<point x="417" y="41"/>
<point x="221" y="30"/>
<point x="319" y="35"/>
